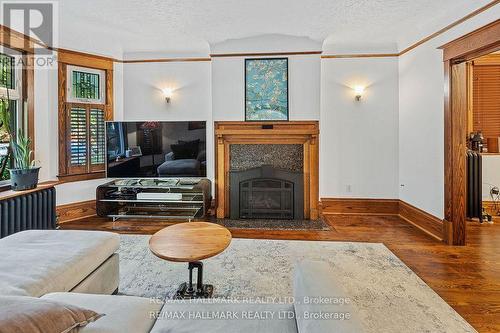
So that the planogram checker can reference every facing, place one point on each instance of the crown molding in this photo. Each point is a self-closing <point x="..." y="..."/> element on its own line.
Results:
<point x="134" y="61"/>
<point x="263" y="54"/>
<point x="361" y="55"/>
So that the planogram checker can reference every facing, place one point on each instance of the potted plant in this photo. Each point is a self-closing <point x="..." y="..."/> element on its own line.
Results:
<point x="24" y="174"/>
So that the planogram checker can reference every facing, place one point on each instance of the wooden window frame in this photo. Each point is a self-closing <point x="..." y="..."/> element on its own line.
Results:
<point x="23" y="44"/>
<point x="65" y="59"/>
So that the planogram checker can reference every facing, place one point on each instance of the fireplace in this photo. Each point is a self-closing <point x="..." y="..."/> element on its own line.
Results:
<point x="266" y="192"/>
<point x="267" y="169"/>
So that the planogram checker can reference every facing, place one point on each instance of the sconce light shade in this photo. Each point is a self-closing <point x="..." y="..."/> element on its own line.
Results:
<point x="168" y="92"/>
<point x="359" y="90"/>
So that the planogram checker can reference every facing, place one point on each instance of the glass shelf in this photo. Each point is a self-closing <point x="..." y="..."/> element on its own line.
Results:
<point x="118" y="198"/>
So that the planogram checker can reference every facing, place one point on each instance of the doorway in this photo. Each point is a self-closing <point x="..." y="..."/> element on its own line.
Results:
<point x="456" y="56"/>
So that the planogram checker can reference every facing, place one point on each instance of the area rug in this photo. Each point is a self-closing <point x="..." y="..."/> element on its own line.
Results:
<point x="388" y="295"/>
<point x="274" y="224"/>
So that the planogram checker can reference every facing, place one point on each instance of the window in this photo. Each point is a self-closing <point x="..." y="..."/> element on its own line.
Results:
<point x="83" y="110"/>
<point x="486" y="96"/>
<point x="11" y="92"/>
<point x="86" y="143"/>
<point x="86" y="85"/>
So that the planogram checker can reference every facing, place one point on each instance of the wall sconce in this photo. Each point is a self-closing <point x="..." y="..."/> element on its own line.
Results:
<point x="168" y="92"/>
<point x="359" y="90"/>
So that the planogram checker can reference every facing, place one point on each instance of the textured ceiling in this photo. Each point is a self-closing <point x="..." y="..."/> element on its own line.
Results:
<point x="191" y="26"/>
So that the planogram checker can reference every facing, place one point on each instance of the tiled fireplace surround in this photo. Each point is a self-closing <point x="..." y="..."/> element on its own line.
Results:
<point x="289" y="146"/>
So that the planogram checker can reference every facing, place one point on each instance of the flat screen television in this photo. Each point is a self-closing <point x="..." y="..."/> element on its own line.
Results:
<point x="156" y="149"/>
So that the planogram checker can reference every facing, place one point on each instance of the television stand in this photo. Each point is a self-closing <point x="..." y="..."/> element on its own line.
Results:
<point x="154" y="198"/>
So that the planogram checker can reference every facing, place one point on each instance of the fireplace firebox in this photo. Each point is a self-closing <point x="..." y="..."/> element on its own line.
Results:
<point x="266" y="192"/>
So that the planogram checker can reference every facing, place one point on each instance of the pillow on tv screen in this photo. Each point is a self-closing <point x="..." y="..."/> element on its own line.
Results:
<point x="186" y="149"/>
<point x="194" y="142"/>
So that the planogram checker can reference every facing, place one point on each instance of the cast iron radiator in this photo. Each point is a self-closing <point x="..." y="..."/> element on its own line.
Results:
<point x="35" y="210"/>
<point x="474" y="183"/>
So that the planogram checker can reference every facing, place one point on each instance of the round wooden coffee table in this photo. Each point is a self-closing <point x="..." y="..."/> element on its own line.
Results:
<point x="191" y="242"/>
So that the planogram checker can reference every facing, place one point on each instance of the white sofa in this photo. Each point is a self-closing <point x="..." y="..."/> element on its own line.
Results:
<point x="37" y="262"/>
<point x="81" y="268"/>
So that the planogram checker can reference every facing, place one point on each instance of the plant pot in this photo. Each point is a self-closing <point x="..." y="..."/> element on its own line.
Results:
<point x="24" y="179"/>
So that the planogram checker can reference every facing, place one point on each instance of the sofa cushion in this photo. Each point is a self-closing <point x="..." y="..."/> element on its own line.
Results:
<point x="104" y="280"/>
<point x="179" y="167"/>
<point x="321" y="304"/>
<point x="122" y="313"/>
<point x="19" y="314"/>
<point x="215" y="316"/>
<point x="37" y="262"/>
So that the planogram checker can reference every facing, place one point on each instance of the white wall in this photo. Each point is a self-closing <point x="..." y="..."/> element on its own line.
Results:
<point x="359" y="140"/>
<point x="191" y="100"/>
<point x="491" y="174"/>
<point x="46" y="121"/>
<point x="228" y="87"/>
<point x="421" y="120"/>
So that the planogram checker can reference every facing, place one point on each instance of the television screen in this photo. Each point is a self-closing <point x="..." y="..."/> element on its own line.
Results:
<point x="155" y="149"/>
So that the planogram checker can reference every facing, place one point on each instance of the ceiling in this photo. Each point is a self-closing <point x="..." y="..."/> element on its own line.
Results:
<point x="195" y="26"/>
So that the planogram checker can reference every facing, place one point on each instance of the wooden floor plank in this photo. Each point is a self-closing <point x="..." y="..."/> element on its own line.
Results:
<point x="467" y="277"/>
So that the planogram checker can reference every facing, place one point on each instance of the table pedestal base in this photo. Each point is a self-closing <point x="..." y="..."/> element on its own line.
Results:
<point x="198" y="290"/>
<point x="183" y="292"/>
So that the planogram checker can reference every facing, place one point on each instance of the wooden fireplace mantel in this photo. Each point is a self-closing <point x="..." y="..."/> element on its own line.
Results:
<point x="305" y="133"/>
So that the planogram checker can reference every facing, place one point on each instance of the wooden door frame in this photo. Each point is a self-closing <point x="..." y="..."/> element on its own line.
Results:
<point x="475" y="44"/>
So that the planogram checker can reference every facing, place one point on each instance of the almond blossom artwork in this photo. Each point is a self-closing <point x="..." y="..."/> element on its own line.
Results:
<point x="266" y="89"/>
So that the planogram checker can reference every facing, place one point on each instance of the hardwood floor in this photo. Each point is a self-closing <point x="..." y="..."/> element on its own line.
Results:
<point x="467" y="277"/>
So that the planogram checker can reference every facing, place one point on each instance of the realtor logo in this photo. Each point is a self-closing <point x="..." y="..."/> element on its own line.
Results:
<point x="34" y="19"/>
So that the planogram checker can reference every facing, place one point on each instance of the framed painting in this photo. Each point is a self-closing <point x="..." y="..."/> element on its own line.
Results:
<point x="266" y="89"/>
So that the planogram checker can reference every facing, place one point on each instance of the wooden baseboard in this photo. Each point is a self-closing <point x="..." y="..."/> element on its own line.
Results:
<point x="491" y="207"/>
<point x="328" y="206"/>
<point x="75" y="211"/>
<point x="426" y="222"/>
<point x="346" y="206"/>
<point x="411" y="214"/>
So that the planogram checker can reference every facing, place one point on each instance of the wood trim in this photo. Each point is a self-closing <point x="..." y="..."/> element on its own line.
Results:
<point x="426" y="222"/>
<point x="474" y="44"/>
<point x="263" y="54"/>
<point x="135" y="61"/>
<point x="18" y="41"/>
<point x="291" y="132"/>
<point x="26" y="46"/>
<point x="63" y="169"/>
<point x="29" y="97"/>
<point x="479" y="42"/>
<point x="75" y="211"/>
<point x="80" y="59"/>
<point x="11" y="194"/>
<point x="350" y="206"/>
<point x="80" y="177"/>
<point x="459" y="148"/>
<point x="489" y="207"/>
<point x="368" y="55"/>
<point x="84" y="59"/>
<point x="80" y="54"/>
